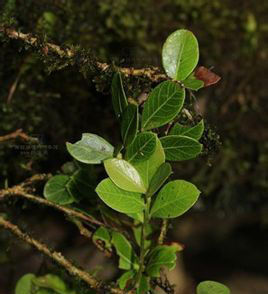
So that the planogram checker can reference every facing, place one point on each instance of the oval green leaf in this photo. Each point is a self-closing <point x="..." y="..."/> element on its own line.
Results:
<point x="211" y="287"/>
<point x="56" y="190"/>
<point x="192" y="132"/>
<point x="162" y="105"/>
<point x="180" y="54"/>
<point x="142" y="147"/>
<point x="129" y="125"/>
<point x="24" y="284"/>
<point x="119" y="199"/>
<point x="193" y="83"/>
<point x="178" y="148"/>
<point x="119" y="98"/>
<point x="159" y="178"/>
<point x="91" y="149"/>
<point x="174" y="199"/>
<point x="149" y="167"/>
<point x="124" y="175"/>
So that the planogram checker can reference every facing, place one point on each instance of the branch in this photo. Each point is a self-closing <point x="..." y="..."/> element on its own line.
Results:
<point x="19" y="191"/>
<point x="16" y="134"/>
<point x="58" y="257"/>
<point x="153" y="74"/>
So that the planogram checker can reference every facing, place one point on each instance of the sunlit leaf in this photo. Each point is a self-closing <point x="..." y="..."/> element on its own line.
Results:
<point x="118" y="95"/>
<point x="211" y="287"/>
<point x="119" y="199"/>
<point x="141" y="148"/>
<point x="194" y="132"/>
<point x="91" y="149"/>
<point x="174" y="199"/>
<point x="124" y="175"/>
<point x="178" y="148"/>
<point x="24" y="284"/>
<point x="162" y="105"/>
<point x="180" y="54"/>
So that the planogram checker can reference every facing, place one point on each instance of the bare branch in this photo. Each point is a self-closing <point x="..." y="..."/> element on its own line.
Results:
<point x="16" y="134"/>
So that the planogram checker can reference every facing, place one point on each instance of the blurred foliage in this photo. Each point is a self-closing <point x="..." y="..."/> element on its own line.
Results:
<point x="58" y="104"/>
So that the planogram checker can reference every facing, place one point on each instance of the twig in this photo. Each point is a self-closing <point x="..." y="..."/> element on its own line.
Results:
<point x="152" y="74"/>
<point x="57" y="257"/>
<point x="16" y="134"/>
<point x="163" y="232"/>
<point x="18" y="191"/>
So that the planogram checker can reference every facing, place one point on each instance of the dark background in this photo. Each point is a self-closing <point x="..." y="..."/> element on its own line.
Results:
<point x="226" y="232"/>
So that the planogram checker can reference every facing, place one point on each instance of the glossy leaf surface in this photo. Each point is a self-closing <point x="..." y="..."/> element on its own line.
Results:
<point x="163" y="104"/>
<point x="119" y="199"/>
<point x="178" y="148"/>
<point x="129" y="125"/>
<point x="142" y="147"/>
<point x="174" y="199"/>
<point x="194" y="132"/>
<point x="211" y="287"/>
<point x="124" y="175"/>
<point x="91" y="149"/>
<point x="180" y="54"/>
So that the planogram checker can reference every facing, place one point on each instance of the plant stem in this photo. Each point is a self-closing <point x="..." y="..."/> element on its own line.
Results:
<point x="146" y="219"/>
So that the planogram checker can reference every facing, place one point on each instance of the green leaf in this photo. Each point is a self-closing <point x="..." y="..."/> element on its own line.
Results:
<point x="174" y="199"/>
<point x="180" y="54"/>
<point x="119" y="98"/>
<point x="149" y="167"/>
<point x="162" y="105"/>
<point x="161" y="256"/>
<point x="91" y="149"/>
<point x="137" y="234"/>
<point x="124" y="175"/>
<point x="144" y="285"/>
<point x="56" y="190"/>
<point x="211" y="287"/>
<point x="127" y="257"/>
<point x="129" y="125"/>
<point x="118" y="199"/>
<point x="52" y="282"/>
<point x="192" y="132"/>
<point x="24" y="284"/>
<point x="123" y="280"/>
<point x="193" y="83"/>
<point x="104" y="235"/>
<point x="159" y="178"/>
<point x="142" y="147"/>
<point x="178" y="148"/>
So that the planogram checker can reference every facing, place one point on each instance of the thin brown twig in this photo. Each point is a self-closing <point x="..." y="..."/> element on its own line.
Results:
<point x="163" y="232"/>
<point x="16" y="134"/>
<point x="152" y="74"/>
<point x="91" y="281"/>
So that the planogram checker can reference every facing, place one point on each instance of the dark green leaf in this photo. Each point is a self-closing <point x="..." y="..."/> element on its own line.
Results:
<point x="118" y="199"/>
<point x="90" y="149"/>
<point x="144" y="285"/>
<point x="141" y="148"/>
<point x="137" y="234"/>
<point x="127" y="257"/>
<point x="211" y="287"/>
<point x="162" y="105"/>
<point x="161" y="256"/>
<point x="118" y="95"/>
<point x="24" y="284"/>
<point x="124" y="175"/>
<point x="178" y="148"/>
<point x="159" y="178"/>
<point x="180" y="54"/>
<point x="193" y="83"/>
<point x="174" y="199"/>
<point x="123" y="280"/>
<point x="129" y="125"/>
<point x="149" y="167"/>
<point x="56" y="190"/>
<point x="192" y="132"/>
